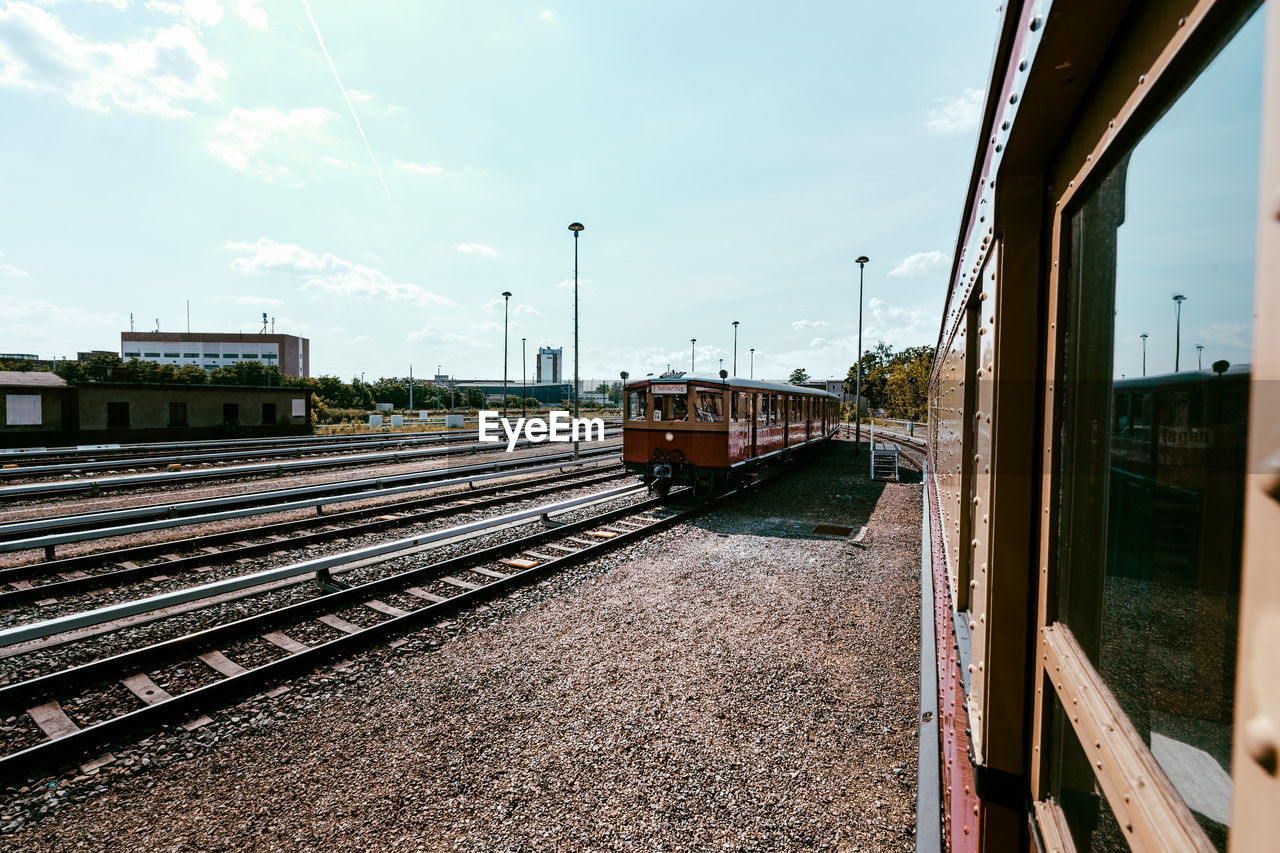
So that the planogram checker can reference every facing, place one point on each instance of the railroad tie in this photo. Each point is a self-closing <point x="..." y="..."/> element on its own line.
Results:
<point x="499" y="575"/>
<point x="221" y="663"/>
<point x="565" y="548"/>
<point x="52" y="720"/>
<point x="144" y="688"/>
<point x="424" y="595"/>
<point x="539" y="556"/>
<point x="284" y="641"/>
<point x="603" y="534"/>
<point x="340" y="624"/>
<point x="514" y="562"/>
<point x="452" y="581"/>
<point x="383" y="607"/>
<point x="583" y="542"/>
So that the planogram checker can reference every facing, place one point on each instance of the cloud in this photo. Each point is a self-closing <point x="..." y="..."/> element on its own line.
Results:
<point x="359" y="96"/>
<point x="431" y="334"/>
<point x="253" y="16"/>
<point x="486" y="326"/>
<point x="245" y="133"/>
<point x="955" y="113"/>
<point x="476" y="249"/>
<point x="358" y="339"/>
<point x="25" y="314"/>
<point x="890" y="321"/>
<point x="10" y="270"/>
<point x="202" y="13"/>
<point x="921" y="264"/>
<point x="800" y="325"/>
<point x="341" y="164"/>
<point x="527" y="310"/>
<point x="253" y="300"/>
<point x="326" y="272"/>
<point x="418" y="168"/>
<point x="148" y="75"/>
<point x="548" y="16"/>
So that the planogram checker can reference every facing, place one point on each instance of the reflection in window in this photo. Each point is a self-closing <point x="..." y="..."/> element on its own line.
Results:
<point x="1155" y="428"/>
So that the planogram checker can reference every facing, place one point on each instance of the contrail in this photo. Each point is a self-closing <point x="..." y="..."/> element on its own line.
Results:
<point x="346" y="97"/>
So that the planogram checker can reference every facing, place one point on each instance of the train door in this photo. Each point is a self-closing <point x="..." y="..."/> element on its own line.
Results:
<point x="753" y="406"/>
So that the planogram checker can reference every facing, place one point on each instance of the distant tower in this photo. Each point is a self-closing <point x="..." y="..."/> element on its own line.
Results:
<point x="549" y="361"/>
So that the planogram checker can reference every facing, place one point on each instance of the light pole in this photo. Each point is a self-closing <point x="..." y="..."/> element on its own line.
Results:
<point x="735" y="347"/>
<point x="1178" y="299"/>
<point x="524" y="378"/>
<point x="861" y="261"/>
<point x="753" y="364"/>
<point x="693" y="353"/>
<point x="722" y="364"/>
<point x="576" y="228"/>
<point x="1199" y="356"/>
<point x="1144" y="353"/>
<point x="506" y="297"/>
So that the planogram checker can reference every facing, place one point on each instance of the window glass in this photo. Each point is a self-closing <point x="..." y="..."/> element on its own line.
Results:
<point x="679" y="407"/>
<point x="636" y="402"/>
<point x="1155" y="409"/>
<point x="708" y="405"/>
<point x="735" y="404"/>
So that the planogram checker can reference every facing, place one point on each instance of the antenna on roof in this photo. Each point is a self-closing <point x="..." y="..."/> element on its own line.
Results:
<point x="157" y="324"/>
<point x="131" y="321"/>
<point x="188" y="316"/>
<point x="273" y="325"/>
<point x="264" y="323"/>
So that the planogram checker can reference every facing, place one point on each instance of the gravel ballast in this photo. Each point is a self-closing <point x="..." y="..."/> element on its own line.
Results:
<point x="734" y="683"/>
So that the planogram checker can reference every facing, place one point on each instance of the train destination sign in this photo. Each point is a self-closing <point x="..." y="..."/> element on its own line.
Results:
<point x="670" y="389"/>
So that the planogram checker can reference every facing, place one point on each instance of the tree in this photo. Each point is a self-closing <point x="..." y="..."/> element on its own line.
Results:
<point x="799" y="376"/>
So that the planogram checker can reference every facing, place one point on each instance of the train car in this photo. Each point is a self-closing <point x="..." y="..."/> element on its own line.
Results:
<point x="1103" y="515"/>
<point x="704" y="431"/>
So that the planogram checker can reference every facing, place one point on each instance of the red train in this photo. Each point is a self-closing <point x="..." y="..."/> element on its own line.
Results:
<point x="703" y="431"/>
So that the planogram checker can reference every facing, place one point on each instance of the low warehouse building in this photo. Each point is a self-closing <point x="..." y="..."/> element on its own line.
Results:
<point x="42" y="410"/>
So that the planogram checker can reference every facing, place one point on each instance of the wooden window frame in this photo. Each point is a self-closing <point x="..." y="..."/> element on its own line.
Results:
<point x="1149" y="810"/>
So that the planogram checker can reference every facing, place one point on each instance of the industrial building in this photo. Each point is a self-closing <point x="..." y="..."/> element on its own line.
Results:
<point x="209" y="350"/>
<point x="546" y="393"/>
<point x="41" y="409"/>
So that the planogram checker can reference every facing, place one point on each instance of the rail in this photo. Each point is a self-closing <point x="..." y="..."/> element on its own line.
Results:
<point x="176" y="509"/>
<point x="49" y="627"/>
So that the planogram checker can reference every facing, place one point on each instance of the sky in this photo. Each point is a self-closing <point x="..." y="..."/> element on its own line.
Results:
<point x="374" y="175"/>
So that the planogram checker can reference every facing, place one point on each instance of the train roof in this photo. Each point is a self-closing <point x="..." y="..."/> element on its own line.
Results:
<point x="1185" y="377"/>
<point x="735" y="381"/>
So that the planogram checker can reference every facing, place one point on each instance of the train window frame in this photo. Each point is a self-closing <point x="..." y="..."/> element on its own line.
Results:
<point x="1154" y="814"/>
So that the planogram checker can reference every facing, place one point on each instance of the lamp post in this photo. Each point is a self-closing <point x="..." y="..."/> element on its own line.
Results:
<point x="722" y="364"/>
<point x="524" y="378"/>
<point x="753" y="364"/>
<point x="693" y="353"/>
<point x="1144" y="353"/>
<point x="1199" y="356"/>
<point x="622" y="396"/>
<point x="506" y="299"/>
<point x="576" y="228"/>
<point x="861" y="261"/>
<point x="735" y="347"/>
<point x="1178" y="299"/>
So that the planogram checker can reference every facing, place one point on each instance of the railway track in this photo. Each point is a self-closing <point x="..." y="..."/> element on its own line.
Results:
<point x="47" y="532"/>
<point x="48" y="581"/>
<point x="97" y="485"/>
<point x="77" y="710"/>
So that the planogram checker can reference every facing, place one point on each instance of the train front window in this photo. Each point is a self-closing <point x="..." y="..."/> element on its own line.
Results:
<point x="1157" y="342"/>
<point x="708" y="405"/>
<point x="636" y="403"/>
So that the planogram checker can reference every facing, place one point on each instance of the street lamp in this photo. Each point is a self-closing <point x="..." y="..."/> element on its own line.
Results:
<point x="753" y="364"/>
<point x="1178" y="299"/>
<point x="861" y="261"/>
<point x="722" y="364"/>
<point x="524" y="379"/>
<point x="506" y="305"/>
<point x="1199" y="356"/>
<point x="735" y="347"/>
<point x="576" y="228"/>
<point x="693" y="353"/>
<point x="1144" y="353"/>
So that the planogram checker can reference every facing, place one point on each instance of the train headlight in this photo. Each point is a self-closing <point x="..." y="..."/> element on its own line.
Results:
<point x="671" y="436"/>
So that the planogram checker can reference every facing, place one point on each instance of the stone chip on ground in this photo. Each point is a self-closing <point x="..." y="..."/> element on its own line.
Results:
<point x="720" y="686"/>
